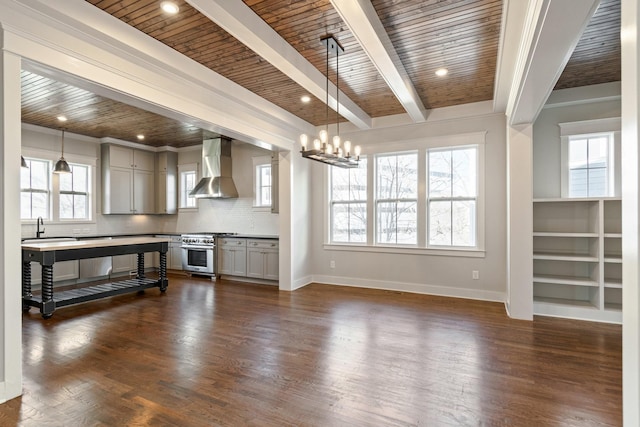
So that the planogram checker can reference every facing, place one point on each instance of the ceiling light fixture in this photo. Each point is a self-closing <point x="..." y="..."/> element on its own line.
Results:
<point x="305" y="98"/>
<point x="140" y="137"/>
<point x="441" y="72"/>
<point x="322" y="151"/>
<point x="62" y="118"/>
<point x="169" y="7"/>
<point x="61" y="165"/>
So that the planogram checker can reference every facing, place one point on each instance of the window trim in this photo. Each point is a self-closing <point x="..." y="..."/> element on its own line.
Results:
<point x="182" y="168"/>
<point x="586" y="128"/>
<point x="54" y="183"/>
<point x="421" y="145"/>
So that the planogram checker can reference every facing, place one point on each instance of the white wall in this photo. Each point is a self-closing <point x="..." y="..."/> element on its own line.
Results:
<point x="227" y="215"/>
<point x="446" y="275"/>
<point x="546" y="140"/>
<point x="232" y="215"/>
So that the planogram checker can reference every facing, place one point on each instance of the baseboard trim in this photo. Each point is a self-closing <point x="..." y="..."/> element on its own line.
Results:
<point x="416" y="288"/>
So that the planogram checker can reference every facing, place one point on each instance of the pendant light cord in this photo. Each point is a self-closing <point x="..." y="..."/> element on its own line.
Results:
<point x="337" y="93"/>
<point x="327" y="91"/>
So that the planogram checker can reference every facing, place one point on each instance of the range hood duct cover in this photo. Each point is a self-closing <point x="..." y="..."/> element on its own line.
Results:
<point x="216" y="182"/>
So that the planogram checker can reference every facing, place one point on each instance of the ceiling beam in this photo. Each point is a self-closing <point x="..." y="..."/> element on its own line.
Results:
<point x="551" y="32"/>
<point x="242" y="23"/>
<point x="363" y="21"/>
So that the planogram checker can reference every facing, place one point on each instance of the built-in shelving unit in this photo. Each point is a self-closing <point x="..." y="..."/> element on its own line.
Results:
<point x="577" y="258"/>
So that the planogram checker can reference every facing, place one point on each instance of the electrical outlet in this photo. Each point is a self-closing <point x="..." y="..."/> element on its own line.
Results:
<point x="475" y="274"/>
<point x="332" y="264"/>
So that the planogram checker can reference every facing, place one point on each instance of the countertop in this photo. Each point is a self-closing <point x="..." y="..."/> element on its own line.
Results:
<point x="174" y="233"/>
<point x="45" y="246"/>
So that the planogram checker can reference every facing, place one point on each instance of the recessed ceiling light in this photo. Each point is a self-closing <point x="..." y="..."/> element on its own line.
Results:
<point x="140" y="137"/>
<point x="62" y="119"/>
<point x="305" y="98"/>
<point x="169" y="7"/>
<point x="441" y="72"/>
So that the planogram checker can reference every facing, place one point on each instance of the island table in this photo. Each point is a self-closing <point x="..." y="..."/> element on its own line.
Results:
<point x="48" y="253"/>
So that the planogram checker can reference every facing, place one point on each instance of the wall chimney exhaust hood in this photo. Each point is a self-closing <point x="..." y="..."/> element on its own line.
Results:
<point x="216" y="182"/>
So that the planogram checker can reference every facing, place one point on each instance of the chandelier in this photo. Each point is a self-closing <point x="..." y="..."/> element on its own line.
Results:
<point x="322" y="150"/>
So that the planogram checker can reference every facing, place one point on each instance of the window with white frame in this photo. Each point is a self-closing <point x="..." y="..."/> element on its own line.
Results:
<point x="74" y="193"/>
<point x="262" y="181"/>
<point x="452" y="196"/>
<point x="263" y="185"/>
<point x="590" y="158"/>
<point x="590" y="173"/>
<point x="188" y="180"/>
<point x="396" y="203"/>
<point x="35" y="189"/>
<point x="348" y="204"/>
<point x="425" y="196"/>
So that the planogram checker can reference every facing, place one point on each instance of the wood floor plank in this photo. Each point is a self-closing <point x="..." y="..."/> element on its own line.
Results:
<point x="234" y="354"/>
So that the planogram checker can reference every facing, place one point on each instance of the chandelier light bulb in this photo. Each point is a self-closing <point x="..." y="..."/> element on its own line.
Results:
<point x="316" y="144"/>
<point x="336" y="141"/>
<point x="347" y="147"/>
<point x="304" y="140"/>
<point x="329" y="149"/>
<point x="357" y="150"/>
<point x="324" y="136"/>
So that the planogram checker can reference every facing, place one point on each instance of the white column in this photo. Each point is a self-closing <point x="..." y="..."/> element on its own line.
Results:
<point x="285" y="196"/>
<point x="630" y="213"/>
<point x="520" y="221"/>
<point x="10" y="258"/>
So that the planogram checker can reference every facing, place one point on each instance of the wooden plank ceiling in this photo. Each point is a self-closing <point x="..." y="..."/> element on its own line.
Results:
<point x="461" y="35"/>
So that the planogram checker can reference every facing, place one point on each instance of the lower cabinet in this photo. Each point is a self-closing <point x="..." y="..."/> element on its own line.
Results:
<point x="65" y="270"/>
<point x="232" y="257"/>
<point x="174" y="254"/>
<point x="262" y="259"/>
<point x="253" y="258"/>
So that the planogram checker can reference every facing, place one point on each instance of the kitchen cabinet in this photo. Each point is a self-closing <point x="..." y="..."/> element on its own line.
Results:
<point x="128" y="180"/>
<point x="232" y="256"/>
<point x="174" y="254"/>
<point x="65" y="270"/>
<point x="166" y="182"/>
<point x="129" y="263"/>
<point x="262" y="259"/>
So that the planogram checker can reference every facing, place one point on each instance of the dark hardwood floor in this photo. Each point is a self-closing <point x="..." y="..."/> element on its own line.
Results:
<point x="235" y="354"/>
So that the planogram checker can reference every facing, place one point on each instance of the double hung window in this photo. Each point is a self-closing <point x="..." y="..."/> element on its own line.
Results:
<point x="396" y="198"/>
<point x="590" y="172"/>
<point x="35" y="189"/>
<point x="348" y="204"/>
<point x="74" y="193"/>
<point x="452" y="196"/>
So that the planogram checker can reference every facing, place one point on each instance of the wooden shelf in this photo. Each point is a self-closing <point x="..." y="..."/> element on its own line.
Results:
<point x="562" y="256"/>
<point x="562" y="234"/>
<point x="577" y="258"/>
<point x="565" y="280"/>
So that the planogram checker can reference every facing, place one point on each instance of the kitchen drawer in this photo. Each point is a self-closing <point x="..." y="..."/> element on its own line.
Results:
<point x="226" y="241"/>
<point x="262" y="244"/>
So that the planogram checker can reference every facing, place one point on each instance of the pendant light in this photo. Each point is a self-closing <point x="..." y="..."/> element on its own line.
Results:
<point x="23" y="162"/>
<point x="61" y="165"/>
<point x="322" y="151"/>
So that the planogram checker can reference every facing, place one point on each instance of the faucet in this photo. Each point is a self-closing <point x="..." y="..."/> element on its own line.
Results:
<point x="39" y="222"/>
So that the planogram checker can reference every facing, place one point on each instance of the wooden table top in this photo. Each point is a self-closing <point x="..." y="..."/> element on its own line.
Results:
<point x="45" y="246"/>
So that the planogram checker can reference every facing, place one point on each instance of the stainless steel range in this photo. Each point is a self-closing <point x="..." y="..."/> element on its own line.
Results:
<point x="198" y="253"/>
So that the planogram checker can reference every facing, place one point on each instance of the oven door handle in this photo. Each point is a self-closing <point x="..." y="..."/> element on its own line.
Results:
<point x="198" y="248"/>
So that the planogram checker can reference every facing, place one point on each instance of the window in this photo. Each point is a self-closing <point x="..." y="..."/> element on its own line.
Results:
<point x="263" y="185"/>
<point x="348" y="204"/>
<point x="35" y="189"/>
<point x="589" y="171"/>
<point x="396" y="198"/>
<point x="74" y="193"/>
<point x="590" y="158"/>
<point x="420" y="196"/>
<point x="188" y="180"/>
<point x="452" y="196"/>
<point x="262" y="181"/>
